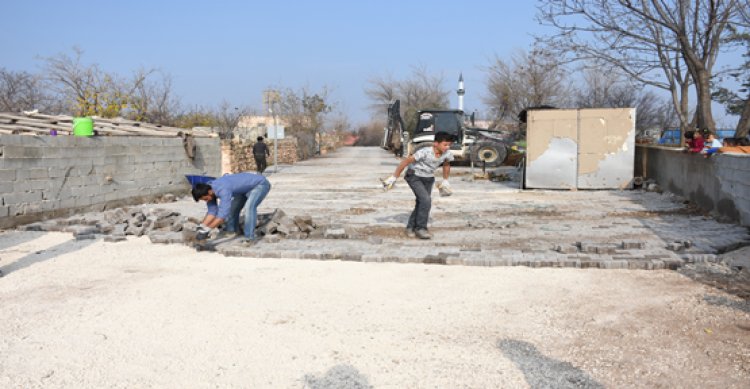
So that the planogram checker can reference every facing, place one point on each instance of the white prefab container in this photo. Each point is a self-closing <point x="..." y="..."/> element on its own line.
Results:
<point x="580" y="148"/>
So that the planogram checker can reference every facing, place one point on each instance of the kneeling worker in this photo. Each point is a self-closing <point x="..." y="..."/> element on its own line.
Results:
<point x="226" y="196"/>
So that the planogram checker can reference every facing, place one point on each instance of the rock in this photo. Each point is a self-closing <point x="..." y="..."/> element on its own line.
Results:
<point x="116" y="216"/>
<point x="32" y="227"/>
<point x="675" y="246"/>
<point x="164" y="222"/>
<point x="134" y="230"/>
<point x="168" y="198"/>
<point x="119" y="229"/>
<point x="277" y="215"/>
<point x="304" y="222"/>
<point x="317" y="233"/>
<point x="81" y="230"/>
<point x="633" y="244"/>
<point x="566" y="248"/>
<point x="267" y="229"/>
<point x="283" y="229"/>
<point x="335" y="233"/>
<point x="105" y="227"/>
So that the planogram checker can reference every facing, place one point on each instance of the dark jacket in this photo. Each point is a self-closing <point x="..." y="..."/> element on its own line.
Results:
<point x="260" y="148"/>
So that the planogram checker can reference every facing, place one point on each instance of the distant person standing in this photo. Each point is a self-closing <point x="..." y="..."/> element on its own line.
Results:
<point x="260" y="152"/>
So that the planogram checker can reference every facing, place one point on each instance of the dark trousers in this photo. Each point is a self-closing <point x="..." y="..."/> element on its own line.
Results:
<point x="422" y="188"/>
<point x="260" y="162"/>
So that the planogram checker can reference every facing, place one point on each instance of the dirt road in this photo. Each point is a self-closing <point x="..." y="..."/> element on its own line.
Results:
<point x="90" y="314"/>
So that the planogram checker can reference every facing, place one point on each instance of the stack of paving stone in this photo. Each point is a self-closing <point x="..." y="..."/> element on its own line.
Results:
<point x="160" y="225"/>
<point x="277" y="225"/>
<point x="167" y="226"/>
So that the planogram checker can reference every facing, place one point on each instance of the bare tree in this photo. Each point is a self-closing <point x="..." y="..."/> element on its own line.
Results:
<point x="420" y="91"/>
<point x="603" y="87"/>
<point x="526" y="80"/>
<point x="227" y="117"/>
<point x="737" y="102"/>
<point x="88" y="90"/>
<point x="195" y="116"/>
<point x="304" y="113"/>
<point x="78" y="84"/>
<point x="679" y="38"/>
<point x="154" y="102"/>
<point x="22" y="91"/>
<point x="381" y="91"/>
<point x="370" y="134"/>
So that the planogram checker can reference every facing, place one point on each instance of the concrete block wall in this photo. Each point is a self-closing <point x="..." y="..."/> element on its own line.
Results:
<point x="53" y="176"/>
<point x="719" y="184"/>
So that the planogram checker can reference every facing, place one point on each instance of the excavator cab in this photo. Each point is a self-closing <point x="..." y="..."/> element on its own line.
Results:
<point x="433" y="121"/>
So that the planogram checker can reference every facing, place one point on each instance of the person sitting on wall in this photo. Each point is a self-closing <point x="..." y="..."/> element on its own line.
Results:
<point x="697" y="144"/>
<point x="713" y="145"/>
<point x="688" y="135"/>
<point x="735" y="146"/>
<point x="226" y="197"/>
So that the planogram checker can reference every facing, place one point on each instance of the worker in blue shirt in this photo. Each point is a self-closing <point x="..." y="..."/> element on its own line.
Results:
<point x="226" y="196"/>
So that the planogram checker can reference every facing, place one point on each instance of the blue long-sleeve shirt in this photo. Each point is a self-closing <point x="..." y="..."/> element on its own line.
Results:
<point x="225" y="187"/>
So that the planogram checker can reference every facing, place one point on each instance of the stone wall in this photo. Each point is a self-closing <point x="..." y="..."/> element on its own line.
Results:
<point x="237" y="155"/>
<point x="54" y="176"/>
<point x="719" y="184"/>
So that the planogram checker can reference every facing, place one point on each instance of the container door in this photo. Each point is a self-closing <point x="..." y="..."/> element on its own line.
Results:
<point x="551" y="149"/>
<point x="606" y="148"/>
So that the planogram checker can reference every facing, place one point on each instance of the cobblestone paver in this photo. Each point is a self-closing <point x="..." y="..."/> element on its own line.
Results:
<point x="484" y="223"/>
<point x="338" y="210"/>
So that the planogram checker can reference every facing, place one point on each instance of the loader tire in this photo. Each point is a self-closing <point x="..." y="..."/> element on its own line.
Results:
<point x="413" y="147"/>
<point x="490" y="153"/>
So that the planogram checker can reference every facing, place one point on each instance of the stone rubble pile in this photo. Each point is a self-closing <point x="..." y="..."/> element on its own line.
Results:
<point x="167" y="226"/>
<point x="161" y="225"/>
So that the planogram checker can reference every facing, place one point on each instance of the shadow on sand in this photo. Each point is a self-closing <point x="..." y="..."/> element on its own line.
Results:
<point x="338" y="377"/>
<point x="541" y="371"/>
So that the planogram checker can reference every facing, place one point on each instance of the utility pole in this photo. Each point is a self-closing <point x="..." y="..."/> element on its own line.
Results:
<point x="271" y="97"/>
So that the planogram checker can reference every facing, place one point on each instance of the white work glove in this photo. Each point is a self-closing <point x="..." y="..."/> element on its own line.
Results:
<point x="444" y="188"/>
<point x="389" y="182"/>
<point x="202" y="232"/>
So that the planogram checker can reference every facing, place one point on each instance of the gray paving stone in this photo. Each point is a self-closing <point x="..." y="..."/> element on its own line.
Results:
<point x="115" y="238"/>
<point x="351" y="257"/>
<point x="614" y="264"/>
<point x="335" y="233"/>
<point x="566" y="248"/>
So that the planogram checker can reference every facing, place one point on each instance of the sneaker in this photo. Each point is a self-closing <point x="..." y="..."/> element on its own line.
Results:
<point x="422" y="234"/>
<point x="225" y="234"/>
<point x="249" y="242"/>
<point x="410" y="233"/>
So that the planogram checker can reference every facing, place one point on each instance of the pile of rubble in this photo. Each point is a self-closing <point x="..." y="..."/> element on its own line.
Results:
<point x="167" y="226"/>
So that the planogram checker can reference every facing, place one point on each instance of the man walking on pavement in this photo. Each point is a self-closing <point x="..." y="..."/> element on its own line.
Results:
<point x="260" y="151"/>
<point x="226" y="197"/>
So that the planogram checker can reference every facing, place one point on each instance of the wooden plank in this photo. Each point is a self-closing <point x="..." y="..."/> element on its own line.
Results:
<point x="117" y="126"/>
<point x="32" y="123"/>
<point x="10" y="128"/>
